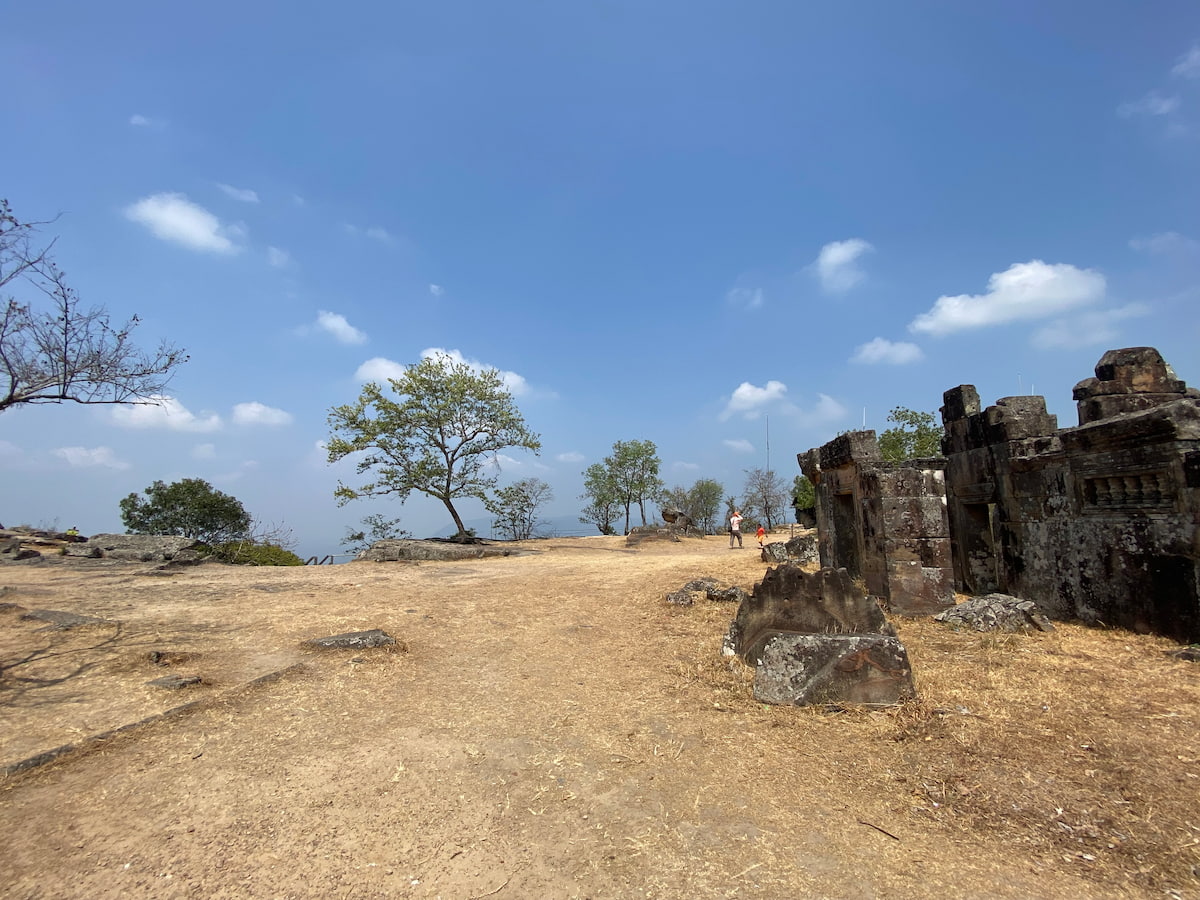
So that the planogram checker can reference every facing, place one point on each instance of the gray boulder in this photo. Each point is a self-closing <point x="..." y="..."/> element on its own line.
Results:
<point x="808" y="669"/>
<point x="996" y="612"/>
<point x="131" y="547"/>
<point x="353" y="640"/>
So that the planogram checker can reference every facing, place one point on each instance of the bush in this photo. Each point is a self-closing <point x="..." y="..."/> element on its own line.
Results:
<point x="244" y="553"/>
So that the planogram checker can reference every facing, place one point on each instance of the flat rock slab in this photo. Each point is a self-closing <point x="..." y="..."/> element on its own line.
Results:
<point x="403" y="549"/>
<point x="996" y="612"/>
<point x="60" y="619"/>
<point x="854" y="669"/>
<point x="353" y="640"/>
<point x="709" y="588"/>
<point x="175" y="682"/>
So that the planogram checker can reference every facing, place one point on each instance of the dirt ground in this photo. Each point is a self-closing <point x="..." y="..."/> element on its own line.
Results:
<point x="556" y="730"/>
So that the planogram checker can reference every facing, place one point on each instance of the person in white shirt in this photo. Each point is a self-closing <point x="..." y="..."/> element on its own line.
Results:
<point x="735" y="528"/>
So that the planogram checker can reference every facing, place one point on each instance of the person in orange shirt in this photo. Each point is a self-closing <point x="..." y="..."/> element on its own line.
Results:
<point x="760" y="534"/>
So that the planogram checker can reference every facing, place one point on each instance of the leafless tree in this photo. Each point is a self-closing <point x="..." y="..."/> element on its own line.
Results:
<point x="68" y="351"/>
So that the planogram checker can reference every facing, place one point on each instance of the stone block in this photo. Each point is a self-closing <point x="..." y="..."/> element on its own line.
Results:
<point x="807" y="669"/>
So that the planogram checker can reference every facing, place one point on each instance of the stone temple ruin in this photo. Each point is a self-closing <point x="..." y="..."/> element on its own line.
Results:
<point x="1099" y="522"/>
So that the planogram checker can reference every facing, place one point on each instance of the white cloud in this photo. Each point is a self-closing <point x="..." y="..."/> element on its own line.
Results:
<point x="278" y="258"/>
<point x="255" y="413"/>
<point x="336" y="325"/>
<point x="139" y="120"/>
<point x="515" y="383"/>
<point x="379" y="369"/>
<point x="571" y="457"/>
<point x="172" y="217"/>
<point x="1032" y="290"/>
<point x="881" y="350"/>
<point x="685" y="466"/>
<point x="836" y="264"/>
<point x="751" y="401"/>
<point x="379" y="234"/>
<point x="88" y="458"/>
<point x="1153" y="104"/>
<point x="163" y="412"/>
<point x="9" y="449"/>
<point x="500" y="461"/>
<point x="745" y="298"/>
<point x="204" y="451"/>
<point x="436" y="290"/>
<point x="739" y="446"/>
<point x="1189" y="64"/>
<point x="826" y="410"/>
<point x="1088" y="328"/>
<point x="1165" y="242"/>
<point x="243" y="195"/>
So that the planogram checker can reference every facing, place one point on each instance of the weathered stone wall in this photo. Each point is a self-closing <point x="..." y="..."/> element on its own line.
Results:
<point x="1100" y="521"/>
<point x="883" y="522"/>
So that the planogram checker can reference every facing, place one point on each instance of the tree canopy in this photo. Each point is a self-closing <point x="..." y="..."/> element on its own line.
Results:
<point x="765" y="497"/>
<point x="915" y="436"/>
<point x="65" y="352"/>
<point x="629" y="475"/>
<point x="517" y="508"/>
<point x="701" y="502"/>
<point x="804" y="494"/>
<point x="440" y="434"/>
<point x="190" y="508"/>
<point x="604" y="500"/>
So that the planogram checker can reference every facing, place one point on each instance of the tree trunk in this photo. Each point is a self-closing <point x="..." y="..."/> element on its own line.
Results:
<point x="627" y="517"/>
<point x="454" y="515"/>
<point x="642" y="507"/>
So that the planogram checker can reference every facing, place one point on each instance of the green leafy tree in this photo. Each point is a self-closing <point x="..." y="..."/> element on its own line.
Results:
<point x="67" y="352"/>
<point x="916" y="436"/>
<point x="517" y="508"/>
<point x="438" y="436"/>
<point x="189" y="508"/>
<point x="633" y="468"/>
<point x="766" y="498"/>
<point x="705" y="503"/>
<point x="804" y="495"/>
<point x="604" y="500"/>
<point x="375" y="527"/>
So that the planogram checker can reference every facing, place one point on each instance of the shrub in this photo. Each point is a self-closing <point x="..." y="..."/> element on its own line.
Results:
<point x="245" y="553"/>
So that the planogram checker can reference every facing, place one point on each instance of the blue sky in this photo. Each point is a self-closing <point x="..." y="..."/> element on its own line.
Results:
<point x="666" y="221"/>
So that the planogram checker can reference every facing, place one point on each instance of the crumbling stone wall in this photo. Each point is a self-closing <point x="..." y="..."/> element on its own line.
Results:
<point x="884" y="522"/>
<point x="1099" y="521"/>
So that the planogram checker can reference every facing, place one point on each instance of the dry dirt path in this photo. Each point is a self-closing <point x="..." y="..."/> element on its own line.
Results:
<point x="555" y="731"/>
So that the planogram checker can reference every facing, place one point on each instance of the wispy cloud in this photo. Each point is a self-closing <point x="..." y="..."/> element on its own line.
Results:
<point x="242" y="195"/>
<point x="436" y="290"/>
<point x="255" y="413"/>
<point x="740" y="445"/>
<point x="1087" y="329"/>
<point x="1023" y="291"/>
<point x="1188" y="65"/>
<point x="1152" y="104"/>
<point x="204" y="451"/>
<point x="680" y="466"/>
<point x="570" y="457"/>
<point x="881" y="350"/>
<point x="837" y="265"/>
<point x="137" y="120"/>
<point x="174" y="218"/>
<point x="164" y="413"/>
<point x="379" y="234"/>
<point x="90" y="458"/>
<point x="745" y="298"/>
<point x="342" y="331"/>
<point x="278" y="258"/>
<point x="1166" y="242"/>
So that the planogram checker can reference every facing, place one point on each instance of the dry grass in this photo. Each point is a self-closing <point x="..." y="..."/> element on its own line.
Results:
<point x="558" y="730"/>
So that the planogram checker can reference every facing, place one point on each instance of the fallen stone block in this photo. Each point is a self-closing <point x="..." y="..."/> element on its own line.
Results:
<point x="58" y="619"/>
<point x="996" y="612"/>
<point x="175" y="682"/>
<point x="355" y="640"/>
<point x="808" y="669"/>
